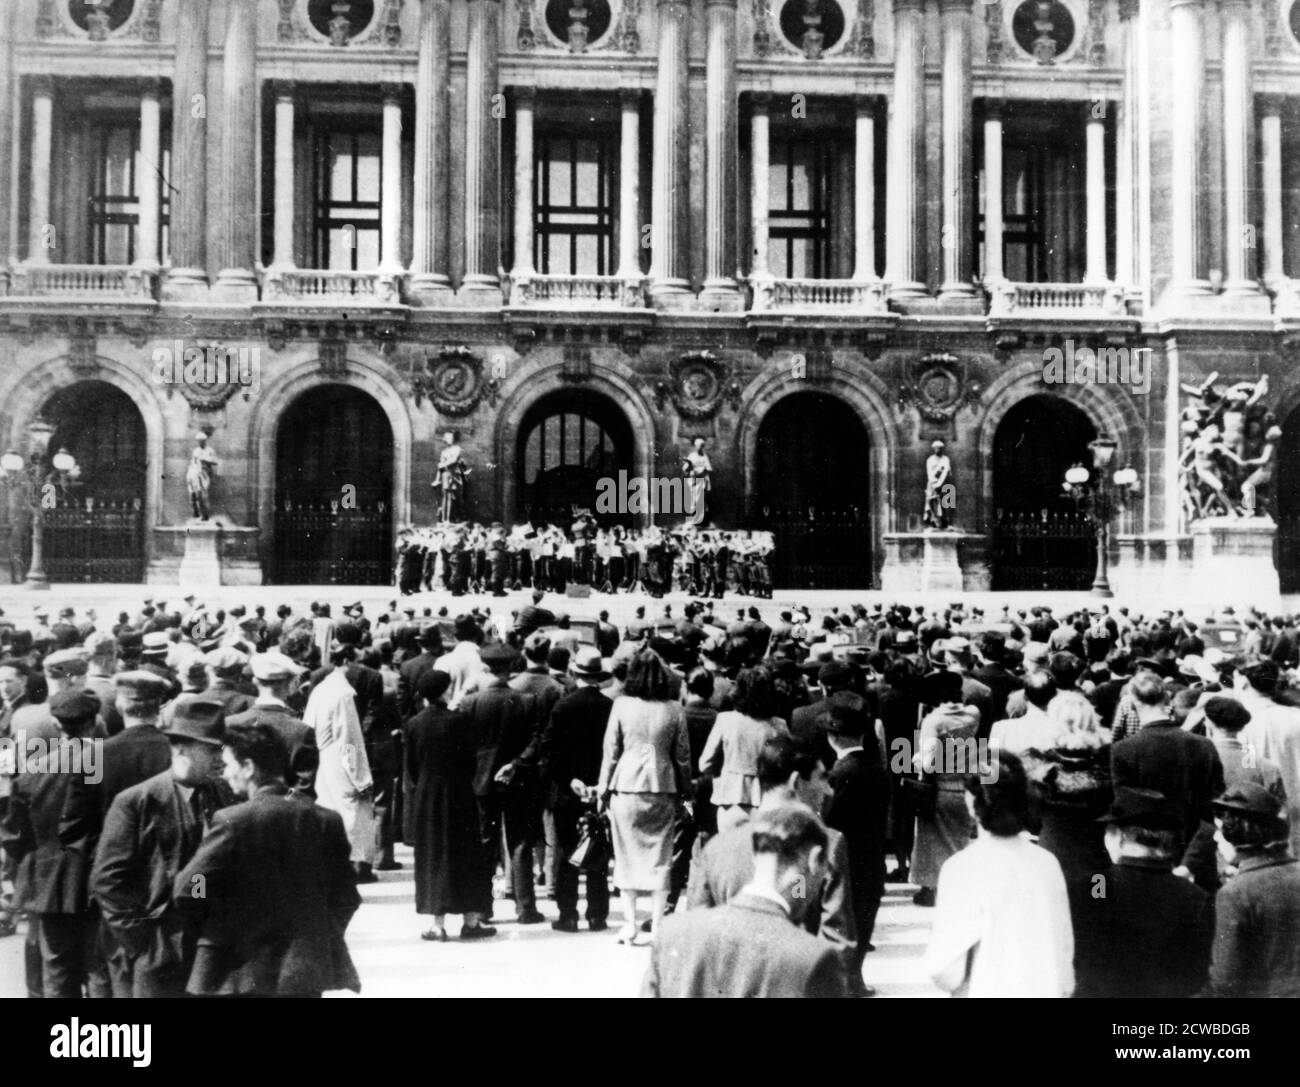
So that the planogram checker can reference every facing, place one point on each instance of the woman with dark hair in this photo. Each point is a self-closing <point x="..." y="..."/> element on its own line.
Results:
<point x="645" y="774"/>
<point x="451" y="875"/>
<point x="1257" y="912"/>
<point x="343" y="782"/>
<point x="1002" y="923"/>
<point x="946" y="755"/>
<point x="732" y="749"/>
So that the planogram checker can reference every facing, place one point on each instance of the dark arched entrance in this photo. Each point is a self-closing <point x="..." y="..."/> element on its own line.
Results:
<point x="1040" y="538"/>
<point x="812" y="491"/>
<point x="333" y="490"/>
<point x="1286" y="481"/>
<point x="95" y="530"/>
<point x="567" y="442"/>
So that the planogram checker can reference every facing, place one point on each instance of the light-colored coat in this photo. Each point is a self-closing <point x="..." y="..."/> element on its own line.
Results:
<point x="646" y="748"/>
<point x="344" y="769"/>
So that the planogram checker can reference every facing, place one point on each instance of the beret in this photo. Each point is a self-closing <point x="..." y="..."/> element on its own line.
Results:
<point x="74" y="706"/>
<point x="1227" y="713"/>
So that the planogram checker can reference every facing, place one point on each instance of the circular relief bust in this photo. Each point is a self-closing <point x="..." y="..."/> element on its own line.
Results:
<point x="103" y="17"/>
<point x="578" y="23"/>
<point x="812" y="26"/>
<point x="1043" y="28"/>
<point x="340" y="20"/>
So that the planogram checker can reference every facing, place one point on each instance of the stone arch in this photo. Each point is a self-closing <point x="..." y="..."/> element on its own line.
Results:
<point x="529" y="384"/>
<point x="280" y="391"/>
<point x="27" y="393"/>
<point x="867" y="396"/>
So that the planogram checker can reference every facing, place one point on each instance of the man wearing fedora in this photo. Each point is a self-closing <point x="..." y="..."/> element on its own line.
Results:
<point x="429" y="639"/>
<point x="270" y="890"/>
<point x="151" y="832"/>
<point x="1257" y="913"/>
<point x="572" y="746"/>
<point x="274" y="674"/>
<point x="1143" y="932"/>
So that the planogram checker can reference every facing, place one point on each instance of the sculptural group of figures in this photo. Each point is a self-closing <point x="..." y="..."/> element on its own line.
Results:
<point x="1229" y="450"/>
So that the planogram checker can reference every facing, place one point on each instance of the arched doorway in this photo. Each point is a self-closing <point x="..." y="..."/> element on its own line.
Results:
<point x="333" y="490"/>
<point x="567" y="442"/>
<point x="1040" y="538"/>
<point x="1286" y="481"/>
<point x="95" y="531"/>
<point x="812" y="491"/>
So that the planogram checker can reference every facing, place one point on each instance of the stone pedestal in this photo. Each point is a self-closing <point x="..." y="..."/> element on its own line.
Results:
<point x="1232" y="558"/>
<point x="202" y="562"/>
<point x="925" y="562"/>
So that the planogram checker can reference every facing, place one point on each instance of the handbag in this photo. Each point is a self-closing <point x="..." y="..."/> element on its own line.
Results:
<point x="924" y="792"/>
<point x="594" y="849"/>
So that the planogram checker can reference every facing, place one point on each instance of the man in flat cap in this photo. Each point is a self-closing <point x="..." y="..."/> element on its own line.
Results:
<point x="274" y="674"/>
<point x="1225" y="718"/>
<point x="64" y="671"/>
<point x="51" y="830"/>
<point x="1145" y="932"/>
<point x="225" y="679"/>
<point x="139" y="751"/>
<point x="151" y="833"/>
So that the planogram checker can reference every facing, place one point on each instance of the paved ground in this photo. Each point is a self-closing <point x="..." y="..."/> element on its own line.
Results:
<point x="534" y="960"/>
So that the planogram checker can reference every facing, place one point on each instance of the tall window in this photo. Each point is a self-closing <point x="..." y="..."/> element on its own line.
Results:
<point x="114" y="201"/>
<point x="1024" y="257"/>
<point x="573" y="204"/>
<point x="346" y="220"/>
<point x="566" y="440"/>
<point x="799" y="218"/>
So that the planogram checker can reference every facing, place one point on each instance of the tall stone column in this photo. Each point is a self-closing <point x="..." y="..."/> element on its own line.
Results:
<point x="993" y="270"/>
<point x="1187" y="64"/>
<point x="721" y="154"/>
<point x="1127" y="153"/>
<point x="148" y="178"/>
<point x="629" y="196"/>
<point x="905" y="187"/>
<point x="523" y="267"/>
<point x="390" y="173"/>
<point x="759" y="155"/>
<point x="864" y="191"/>
<point x="1095" y="181"/>
<point x="671" y="173"/>
<point x="235" y="280"/>
<point x="958" y="267"/>
<point x="482" y="282"/>
<point x="8" y="247"/>
<point x="1238" y="161"/>
<point x="284" y="177"/>
<point x="39" y="198"/>
<point x="429" y="283"/>
<point x="1271" y="138"/>
<point x="188" y="211"/>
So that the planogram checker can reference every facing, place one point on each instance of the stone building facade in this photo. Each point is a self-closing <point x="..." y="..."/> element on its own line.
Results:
<point x="817" y="233"/>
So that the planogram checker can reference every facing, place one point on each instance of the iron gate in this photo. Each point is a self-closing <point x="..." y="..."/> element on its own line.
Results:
<point x="819" y="548"/>
<point x="104" y="543"/>
<point x="329" y="545"/>
<point x="1048" y="550"/>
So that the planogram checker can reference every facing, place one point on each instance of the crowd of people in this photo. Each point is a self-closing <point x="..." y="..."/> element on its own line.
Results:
<point x="1100" y="804"/>
<point x="475" y="558"/>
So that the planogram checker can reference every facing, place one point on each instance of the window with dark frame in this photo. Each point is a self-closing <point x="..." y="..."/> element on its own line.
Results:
<point x="799" y="209"/>
<point x="566" y="440"/>
<point x="348" y="180"/>
<point x="114" y="201"/>
<point x="573" y="203"/>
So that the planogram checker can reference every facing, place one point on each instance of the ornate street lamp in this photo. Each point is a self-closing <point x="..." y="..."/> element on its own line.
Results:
<point x="1099" y="501"/>
<point x="36" y="480"/>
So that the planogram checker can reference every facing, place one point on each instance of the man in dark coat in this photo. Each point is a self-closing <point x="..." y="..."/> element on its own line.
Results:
<point x="994" y="675"/>
<point x="53" y="822"/>
<point x="533" y="616"/>
<point x="502" y="725"/>
<point x="451" y="873"/>
<point x="832" y="676"/>
<point x="572" y="745"/>
<point x="1181" y="766"/>
<point x="139" y="751"/>
<point x="271" y="888"/>
<point x="543" y="690"/>
<point x="226" y="671"/>
<point x="1148" y="933"/>
<point x="151" y="832"/>
<point x="858" y="808"/>
<point x="429" y="640"/>
<point x="754" y="946"/>
<point x="274" y="673"/>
